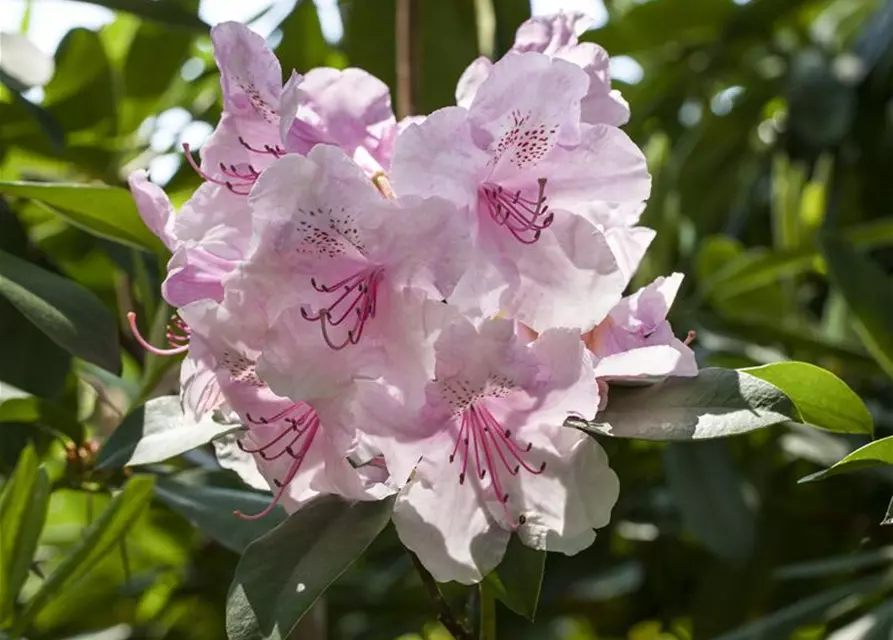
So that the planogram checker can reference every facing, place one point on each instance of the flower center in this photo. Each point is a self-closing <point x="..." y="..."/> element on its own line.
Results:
<point x="524" y="218"/>
<point x="343" y="320"/>
<point x="294" y="441"/>
<point x="496" y="451"/>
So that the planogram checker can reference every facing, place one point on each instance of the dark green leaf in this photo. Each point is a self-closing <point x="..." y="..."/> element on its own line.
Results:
<point x="875" y="454"/>
<point x="210" y="509"/>
<point x="369" y="36"/>
<point x="99" y="539"/>
<point x="518" y="578"/>
<point x="31" y="361"/>
<point x="714" y="404"/>
<point x="23" y="507"/>
<point x="509" y="14"/>
<point x="69" y="314"/>
<point x="447" y="41"/>
<point x="170" y="14"/>
<point x="109" y="212"/>
<point x="303" y="46"/>
<point x="283" y="573"/>
<point x="868" y="293"/>
<point x="822" y="399"/>
<point x="709" y="491"/>
<point x="157" y="431"/>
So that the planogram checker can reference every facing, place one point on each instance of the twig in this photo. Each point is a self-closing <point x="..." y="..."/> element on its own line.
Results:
<point x="407" y="30"/>
<point x="446" y="617"/>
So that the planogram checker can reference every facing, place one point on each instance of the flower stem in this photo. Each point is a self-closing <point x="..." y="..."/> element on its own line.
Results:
<point x="446" y="615"/>
<point x="488" y="613"/>
<point x="407" y="28"/>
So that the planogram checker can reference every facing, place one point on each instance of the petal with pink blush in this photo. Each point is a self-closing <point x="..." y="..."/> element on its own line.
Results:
<point x="154" y="207"/>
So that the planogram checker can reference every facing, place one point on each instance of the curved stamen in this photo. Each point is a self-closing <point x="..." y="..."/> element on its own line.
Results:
<point x="276" y="152"/>
<point x="131" y="320"/>
<point x="239" y="189"/>
<point x="361" y="306"/>
<point x="298" y="458"/>
<point x="521" y="216"/>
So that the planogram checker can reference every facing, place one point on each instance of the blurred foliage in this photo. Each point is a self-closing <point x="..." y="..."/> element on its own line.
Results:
<point x="768" y="126"/>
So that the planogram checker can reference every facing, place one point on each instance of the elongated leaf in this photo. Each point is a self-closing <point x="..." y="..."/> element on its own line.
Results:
<point x="210" y="509"/>
<point x="868" y="293"/>
<point x="283" y="573"/>
<point x="23" y="507"/>
<point x="783" y="622"/>
<point x="838" y="564"/>
<point x="710" y="494"/>
<point x="31" y="361"/>
<point x="714" y="404"/>
<point x="303" y="46"/>
<point x="821" y="398"/>
<point x="99" y="539"/>
<point x="168" y="13"/>
<point x="516" y="582"/>
<point x="105" y="211"/>
<point x="874" y="454"/>
<point x="157" y="431"/>
<point x="70" y="315"/>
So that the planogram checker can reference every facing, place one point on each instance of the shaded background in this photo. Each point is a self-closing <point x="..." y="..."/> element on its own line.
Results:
<point x="764" y="122"/>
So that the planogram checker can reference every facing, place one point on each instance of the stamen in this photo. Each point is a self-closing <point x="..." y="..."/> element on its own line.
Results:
<point x="689" y="338"/>
<point x="520" y="215"/>
<point x="229" y="171"/>
<point x="310" y="429"/>
<point x="180" y="348"/>
<point x="381" y="182"/>
<point x="361" y="307"/>
<point x="276" y="152"/>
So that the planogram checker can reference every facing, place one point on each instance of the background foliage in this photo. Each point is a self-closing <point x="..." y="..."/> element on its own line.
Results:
<point x="769" y="129"/>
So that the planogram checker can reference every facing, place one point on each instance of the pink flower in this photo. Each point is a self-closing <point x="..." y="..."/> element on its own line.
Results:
<point x="521" y="160"/>
<point x="326" y="241"/>
<point x="298" y="451"/>
<point x="557" y="37"/>
<point x="635" y="341"/>
<point x="488" y="452"/>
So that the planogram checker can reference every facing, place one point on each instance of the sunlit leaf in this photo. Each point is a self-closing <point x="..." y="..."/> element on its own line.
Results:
<point x="714" y="404"/>
<point x="106" y="211"/>
<point x="98" y="540"/>
<point x="822" y="399"/>
<point x="874" y="454"/>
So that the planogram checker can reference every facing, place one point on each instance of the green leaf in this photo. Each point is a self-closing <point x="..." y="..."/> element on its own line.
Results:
<point x="709" y="491"/>
<point x="157" y="431"/>
<point x="822" y="399"/>
<point x="23" y="508"/>
<point x="370" y="36"/>
<point x="874" y="454"/>
<point x="108" y="212"/>
<point x="210" y="510"/>
<point x="782" y="623"/>
<point x="283" y="573"/>
<point x="509" y="14"/>
<point x="70" y="315"/>
<point x="447" y="41"/>
<point x="824" y="567"/>
<point x="167" y="13"/>
<point x="758" y="268"/>
<point x="303" y="46"/>
<point x="99" y="539"/>
<point x="517" y="581"/>
<point x="868" y="293"/>
<point x="31" y="361"/>
<point x="714" y="404"/>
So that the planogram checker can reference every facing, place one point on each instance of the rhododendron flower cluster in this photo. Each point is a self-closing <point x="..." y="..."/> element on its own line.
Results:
<point x="416" y="307"/>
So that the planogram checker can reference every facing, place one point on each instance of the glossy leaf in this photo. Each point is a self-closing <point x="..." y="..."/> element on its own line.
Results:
<point x="875" y="454"/>
<point x="70" y="315"/>
<point x="869" y="295"/>
<point x="283" y="573"/>
<point x="23" y="507"/>
<point x="518" y="579"/>
<point x="99" y="539"/>
<point x="714" y="404"/>
<point x="822" y="399"/>
<point x="108" y="212"/>
<point x="210" y="509"/>
<point x="168" y="13"/>
<point x="709" y="492"/>
<point x="157" y="431"/>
